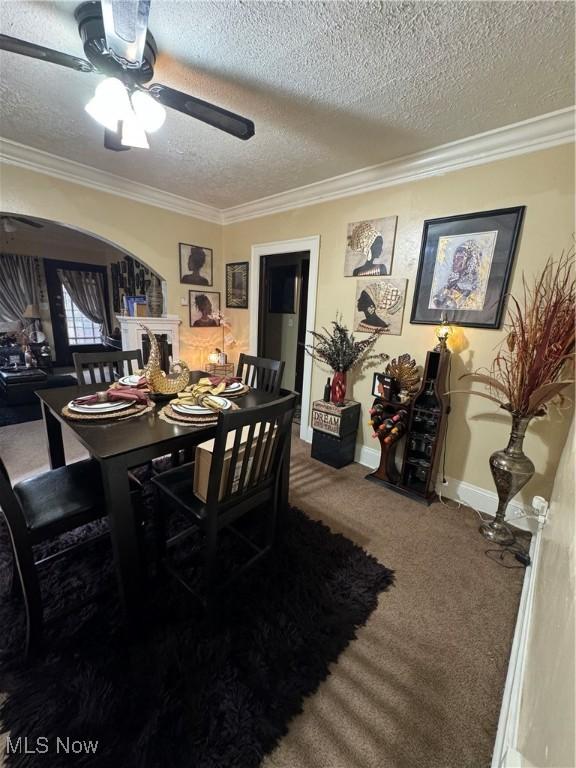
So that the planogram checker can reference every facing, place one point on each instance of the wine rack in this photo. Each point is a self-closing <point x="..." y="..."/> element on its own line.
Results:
<point x="424" y="435"/>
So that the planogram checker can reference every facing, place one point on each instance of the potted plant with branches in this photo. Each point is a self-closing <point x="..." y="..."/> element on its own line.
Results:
<point x="527" y="373"/>
<point x="339" y="350"/>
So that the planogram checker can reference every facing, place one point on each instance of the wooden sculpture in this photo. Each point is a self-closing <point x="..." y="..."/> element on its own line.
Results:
<point x="404" y="369"/>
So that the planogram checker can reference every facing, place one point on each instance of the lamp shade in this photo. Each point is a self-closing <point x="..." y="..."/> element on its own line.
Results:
<point x="32" y="312"/>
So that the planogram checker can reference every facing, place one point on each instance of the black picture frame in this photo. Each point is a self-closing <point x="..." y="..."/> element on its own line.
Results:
<point x="501" y="229"/>
<point x="237" y="285"/>
<point x="205" y="273"/>
<point x="196" y="316"/>
<point x="375" y="383"/>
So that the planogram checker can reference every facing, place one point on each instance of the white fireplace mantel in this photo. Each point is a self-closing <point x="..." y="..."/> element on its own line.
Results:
<point x="131" y="329"/>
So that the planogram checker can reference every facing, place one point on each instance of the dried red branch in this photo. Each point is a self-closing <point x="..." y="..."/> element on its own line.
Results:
<point x="529" y="365"/>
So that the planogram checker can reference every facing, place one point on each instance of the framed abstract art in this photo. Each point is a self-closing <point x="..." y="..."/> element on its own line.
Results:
<point x="237" y="285"/>
<point x="465" y="266"/>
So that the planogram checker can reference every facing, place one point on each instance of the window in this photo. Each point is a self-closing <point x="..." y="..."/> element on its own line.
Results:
<point x="80" y="329"/>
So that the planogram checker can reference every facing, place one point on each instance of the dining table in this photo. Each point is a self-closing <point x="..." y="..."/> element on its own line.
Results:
<point x="121" y="445"/>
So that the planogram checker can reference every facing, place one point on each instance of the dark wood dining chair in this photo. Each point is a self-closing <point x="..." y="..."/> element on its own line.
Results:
<point x="261" y="373"/>
<point x="105" y="367"/>
<point x="245" y="471"/>
<point x="39" y="509"/>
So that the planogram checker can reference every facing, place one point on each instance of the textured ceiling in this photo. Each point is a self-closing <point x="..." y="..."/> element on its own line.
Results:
<point x="331" y="86"/>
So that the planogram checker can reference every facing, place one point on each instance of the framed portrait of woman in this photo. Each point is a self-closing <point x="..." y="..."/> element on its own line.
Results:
<point x="380" y="305"/>
<point x="369" y="247"/>
<point x="204" y="309"/>
<point x="195" y="264"/>
<point x="465" y="267"/>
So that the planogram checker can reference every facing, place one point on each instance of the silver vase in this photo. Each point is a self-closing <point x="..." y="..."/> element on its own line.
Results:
<point x="155" y="297"/>
<point x="511" y="470"/>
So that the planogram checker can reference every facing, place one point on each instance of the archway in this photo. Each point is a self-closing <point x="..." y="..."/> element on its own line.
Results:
<point x="55" y="246"/>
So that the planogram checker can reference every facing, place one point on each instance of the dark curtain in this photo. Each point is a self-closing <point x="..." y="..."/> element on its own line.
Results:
<point x="18" y="285"/>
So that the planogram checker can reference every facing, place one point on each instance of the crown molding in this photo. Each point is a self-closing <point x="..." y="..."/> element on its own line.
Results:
<point x="13" y="153"/>
<point x="531" y="135"/>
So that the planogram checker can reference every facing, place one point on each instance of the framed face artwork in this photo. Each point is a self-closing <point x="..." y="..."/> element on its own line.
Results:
<point x="369" y="247"/>
<point x="203" y="306"/>
<point x="237" y="285"/>
<point x="465" y="266"/>
<point x="380" y="305"/>
<point x="195" y="264"/>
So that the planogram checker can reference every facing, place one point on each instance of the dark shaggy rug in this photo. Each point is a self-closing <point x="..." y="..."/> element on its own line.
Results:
<point x="189" y="693"/>
<point x="18" y="414"/>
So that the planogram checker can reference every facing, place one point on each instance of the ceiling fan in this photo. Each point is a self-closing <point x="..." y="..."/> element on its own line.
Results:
<point x="118" y="44"/>
<point x="8" y="223"/>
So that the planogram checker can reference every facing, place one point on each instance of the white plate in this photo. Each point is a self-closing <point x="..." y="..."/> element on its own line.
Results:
<point x="234" y="387"/>
<point x="100" y="407"/>
<point x="200" y="410"/>
<point x="129" y="381"/>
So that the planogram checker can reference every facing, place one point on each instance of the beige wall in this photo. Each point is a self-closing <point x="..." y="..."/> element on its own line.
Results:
<point x="543" y="181"/>
<point x="547" y="711"/>
<point x="149" y="233"/>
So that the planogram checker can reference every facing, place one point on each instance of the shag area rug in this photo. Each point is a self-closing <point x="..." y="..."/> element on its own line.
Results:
<point x="19" y="414"/>
<point x="188" y="693"/>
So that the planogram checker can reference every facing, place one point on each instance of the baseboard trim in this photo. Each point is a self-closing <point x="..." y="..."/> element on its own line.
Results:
<point x="506" y="753"/>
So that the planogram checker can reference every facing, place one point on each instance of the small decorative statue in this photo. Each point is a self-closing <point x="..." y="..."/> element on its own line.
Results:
<point x="405" y="371"/>
<point x="157" y="378"/>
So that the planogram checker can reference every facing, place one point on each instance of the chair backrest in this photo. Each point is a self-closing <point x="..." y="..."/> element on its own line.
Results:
<point x="261" y="373"/>
<point x="11" y="508"/>
<point x="248" y="451"/>
<point x="101" y="367"/>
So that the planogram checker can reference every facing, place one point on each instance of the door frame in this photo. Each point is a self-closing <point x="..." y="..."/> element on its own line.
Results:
<point x="312" y="245"/>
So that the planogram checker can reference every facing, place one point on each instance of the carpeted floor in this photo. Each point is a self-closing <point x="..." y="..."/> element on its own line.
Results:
<point x="421" y="685"/>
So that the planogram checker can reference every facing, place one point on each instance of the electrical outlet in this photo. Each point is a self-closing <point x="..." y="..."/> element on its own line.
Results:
<point x="183" y="301"/>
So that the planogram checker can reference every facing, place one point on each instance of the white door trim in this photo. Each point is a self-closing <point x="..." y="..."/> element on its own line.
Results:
<point x="311" y="244"/>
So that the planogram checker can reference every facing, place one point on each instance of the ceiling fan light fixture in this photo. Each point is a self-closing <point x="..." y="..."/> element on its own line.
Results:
<point x="150" y="114"/>
<point x="133" y="134"/>
<point x="110" y="104"/>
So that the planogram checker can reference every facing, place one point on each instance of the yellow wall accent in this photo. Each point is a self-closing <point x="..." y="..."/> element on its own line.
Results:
<point x="547" y="710"/>
<point x="543" y="181"/>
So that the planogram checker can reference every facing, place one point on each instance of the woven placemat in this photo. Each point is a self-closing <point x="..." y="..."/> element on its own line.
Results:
<point x="173" y="417"/>
<point x="127" y="413"/>
<point x="237" y="393"/>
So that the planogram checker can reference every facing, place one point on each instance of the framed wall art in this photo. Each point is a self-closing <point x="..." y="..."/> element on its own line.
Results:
<point x="369" y="247"/>
<point x="195" y="264"/>
<point x="380" y="305"/>
<point x="237" y="285"/>
<point x="202" y="306"/>
<point x="465" y="266"/>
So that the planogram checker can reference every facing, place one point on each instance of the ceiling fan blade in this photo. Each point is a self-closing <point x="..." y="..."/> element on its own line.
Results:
<point x="112" y="140"/>
<point x="220" y="118"/>
<point x="24" y="48"/>
<point x="126" y="26"/>
<point x="28" y="222"/>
